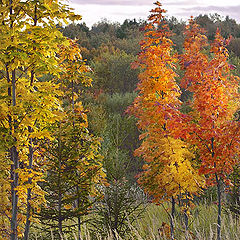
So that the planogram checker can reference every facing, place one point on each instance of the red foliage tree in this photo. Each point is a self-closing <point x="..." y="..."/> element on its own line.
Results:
<point x="212" y="126"/>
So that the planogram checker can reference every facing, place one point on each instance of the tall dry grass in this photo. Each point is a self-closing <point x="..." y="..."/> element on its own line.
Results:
<point x="202" y="226"/>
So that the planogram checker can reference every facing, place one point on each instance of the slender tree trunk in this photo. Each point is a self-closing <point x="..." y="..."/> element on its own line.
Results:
<point x="27" y="225"/>
<point x="185" y="214"/>
<point x="77" y="188"/>
<point x="13" y="150"/>
<point x="11" y="78"/>
<point x="28" y="214"/>
<point x="14" y="178"/>
<point x="186" y="220"/>
<point x="60" y="215"/>
<point x="172" y="219"/>
<point x="60" y="229"/>
<point x="14" y="167"/>
<point x="218" y="180"/>
<point x="79" y="218"/>
<point x="30" y="157"/>
<point x="186" y="224"/>
<point x="79" y="228"/>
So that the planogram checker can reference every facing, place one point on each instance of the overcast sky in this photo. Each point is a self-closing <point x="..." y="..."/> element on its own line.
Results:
<point x="93" y="11"/>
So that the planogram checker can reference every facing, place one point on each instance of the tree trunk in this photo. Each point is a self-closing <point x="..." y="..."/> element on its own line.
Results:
<point x="218" y="180"/>
<point x="60" y="230"/>
<point x="14" y="167"/>
<point x="186" y="220"/>
<point x="30" y="157"/>
<point x="77" y="188"/>
<point x="79" y="218"/>
<point x="27" y="225"/>
<point x="60" y="215"/>
<point x="185" y="214"/>
<point x="186" y="224"/>
<point x="14" y="184"/>
<point x="172" y="219"/>
<point x="13" y="150"/>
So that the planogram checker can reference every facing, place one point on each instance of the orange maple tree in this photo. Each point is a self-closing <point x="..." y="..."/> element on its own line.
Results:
<point x="211" y="126"/>
<point x="168" y="171"/>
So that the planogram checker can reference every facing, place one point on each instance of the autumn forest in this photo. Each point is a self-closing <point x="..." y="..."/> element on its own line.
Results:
<point x="118" y="131"/>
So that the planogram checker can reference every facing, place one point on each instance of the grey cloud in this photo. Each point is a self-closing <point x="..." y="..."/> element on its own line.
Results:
<point x="130" y="15"/>
<point x="133" y="2"/>
<point x="180" y="3"/>
<point x="232" y="11"/>
<point x="114" y="2"/>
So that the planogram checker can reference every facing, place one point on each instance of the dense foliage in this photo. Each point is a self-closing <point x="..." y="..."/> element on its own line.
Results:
<point x="90" y="116"/>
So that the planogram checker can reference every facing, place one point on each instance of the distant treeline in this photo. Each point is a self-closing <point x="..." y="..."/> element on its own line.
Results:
<point x="126" y="36"/>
